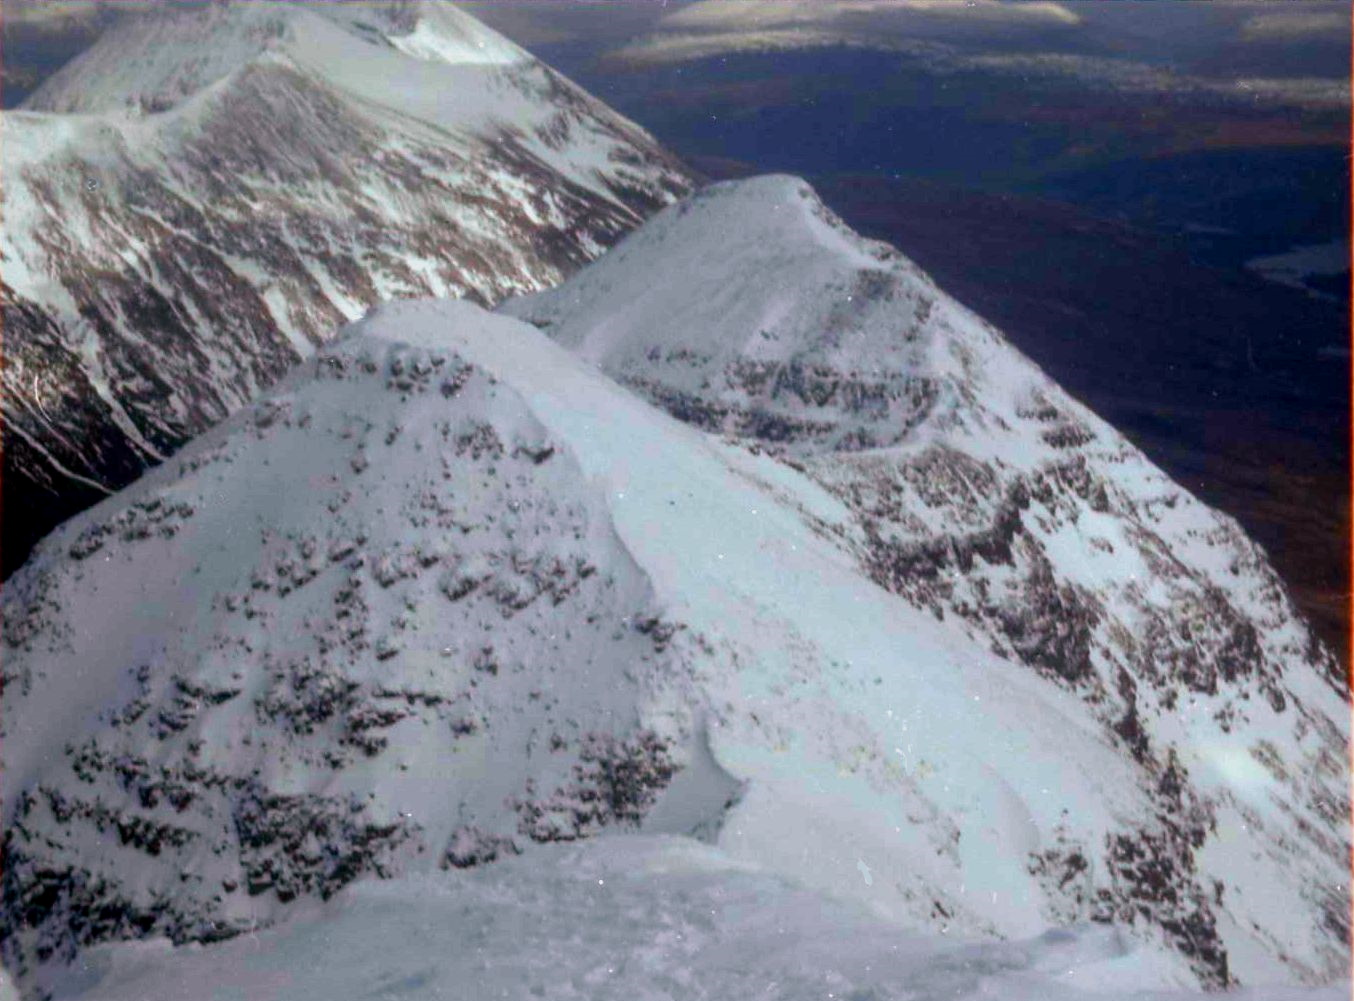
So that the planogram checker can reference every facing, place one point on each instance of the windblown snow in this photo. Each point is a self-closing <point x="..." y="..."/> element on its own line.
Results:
<point x="623" y="918"/>
<point x="915" y="632"/>
<point x="208" y="193"/>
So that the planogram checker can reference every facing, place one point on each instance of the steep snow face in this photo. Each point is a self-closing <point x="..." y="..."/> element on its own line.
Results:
<point x="206" y="194"/>
<point x="975" y="490"/>
<point x="448" y="591"/>
<point x="624" y="918"/>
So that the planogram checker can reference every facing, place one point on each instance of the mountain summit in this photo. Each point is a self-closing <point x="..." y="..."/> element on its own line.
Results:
<point x="207" y="193"/>
<point x="913" y="629"/>
<point x="154" y="63"/>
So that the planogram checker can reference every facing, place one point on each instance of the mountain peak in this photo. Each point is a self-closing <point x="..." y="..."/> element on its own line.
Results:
<point x="764" y="218"/>
<point x="764" y="278"/>
<point x="153" y="61"/>
<point x="243" y="178"/>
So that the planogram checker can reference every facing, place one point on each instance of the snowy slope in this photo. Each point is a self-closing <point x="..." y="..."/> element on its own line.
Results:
<point x="159" y="61"/>
<point x="449" y="591"/>
<point x="977" y="491"/>
<point x="625" y="918"/>
<point x="206" y="194"/>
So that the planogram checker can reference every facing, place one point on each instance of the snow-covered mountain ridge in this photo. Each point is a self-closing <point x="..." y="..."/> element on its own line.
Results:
<point x="978" y="491"/>
<point x="449" y="591"/>
<point x="206" y="194"/>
